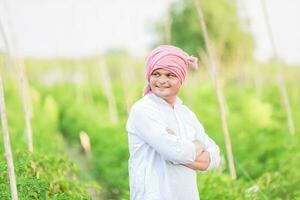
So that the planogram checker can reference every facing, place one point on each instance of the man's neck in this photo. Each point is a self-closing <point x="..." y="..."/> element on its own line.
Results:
<point x="171" y="101"/>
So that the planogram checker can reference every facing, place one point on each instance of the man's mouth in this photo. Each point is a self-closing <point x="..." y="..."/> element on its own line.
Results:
<point x="161" y="87"/>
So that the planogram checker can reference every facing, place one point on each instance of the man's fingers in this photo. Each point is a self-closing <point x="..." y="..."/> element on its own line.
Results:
<point x="199" y="146"/>
<point x="204" y="157"/>
<point x="170" y="131"/>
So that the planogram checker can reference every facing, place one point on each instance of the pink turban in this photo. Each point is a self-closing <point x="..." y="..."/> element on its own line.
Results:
<point x="170" y="58"/>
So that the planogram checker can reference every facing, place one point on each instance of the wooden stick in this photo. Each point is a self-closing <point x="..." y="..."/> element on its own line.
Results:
<point x="128" y="77"/>
<point x="23" y="84"/>
<point x="7" y="147"/>
<point x="168" y="28"/>
<point x="85" y="142"/>
<point x="280" y="78"/>
<point x="107" y="87"/>
<point x="220" y="95"/>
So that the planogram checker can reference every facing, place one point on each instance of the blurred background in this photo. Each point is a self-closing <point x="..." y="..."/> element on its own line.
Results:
<point x="71" y="70"/>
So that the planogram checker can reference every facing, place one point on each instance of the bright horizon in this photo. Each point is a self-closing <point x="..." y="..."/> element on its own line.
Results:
<point x="74" y="28"/>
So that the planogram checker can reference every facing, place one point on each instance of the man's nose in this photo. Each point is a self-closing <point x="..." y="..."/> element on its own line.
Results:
<point x="162" y="79"/>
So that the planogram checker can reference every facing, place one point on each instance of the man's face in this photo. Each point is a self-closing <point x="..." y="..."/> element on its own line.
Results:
<point x="164" y="84"/>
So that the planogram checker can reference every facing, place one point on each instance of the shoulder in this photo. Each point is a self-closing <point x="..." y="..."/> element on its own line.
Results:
<point x="143" y="106"/>
<point x="135" y="114"/>
<point x="143" y="111"/>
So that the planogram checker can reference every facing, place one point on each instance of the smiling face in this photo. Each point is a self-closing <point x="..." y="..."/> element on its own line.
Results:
<point x="165" y="84"/>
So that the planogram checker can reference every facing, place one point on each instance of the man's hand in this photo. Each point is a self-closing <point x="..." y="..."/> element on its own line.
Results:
<point x="170" y="131"/>
<point x="201" y="163"/>
<point x="199" y="147"/>
<point x="202" y="157"/>
<point x="202" y="160"/>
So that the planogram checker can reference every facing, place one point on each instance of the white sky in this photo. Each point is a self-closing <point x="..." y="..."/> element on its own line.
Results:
<point x="284" y="18"/>
<point x="57" y="28"/>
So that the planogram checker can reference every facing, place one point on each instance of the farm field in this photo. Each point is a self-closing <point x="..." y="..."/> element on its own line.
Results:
<point x="266" y="155"/>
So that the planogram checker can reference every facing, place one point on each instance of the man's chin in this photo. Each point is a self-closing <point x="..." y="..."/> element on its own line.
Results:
<point x="162" y="94"/>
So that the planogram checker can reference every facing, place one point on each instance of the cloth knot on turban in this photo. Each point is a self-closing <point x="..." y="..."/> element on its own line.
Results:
<point x="170" y="58"/>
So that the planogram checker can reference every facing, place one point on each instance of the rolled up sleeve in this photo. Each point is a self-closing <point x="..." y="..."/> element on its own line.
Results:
<point x="149" y="127"/>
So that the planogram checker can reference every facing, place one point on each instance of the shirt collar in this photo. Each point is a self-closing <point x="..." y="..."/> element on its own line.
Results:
<point x="160" y="100"/>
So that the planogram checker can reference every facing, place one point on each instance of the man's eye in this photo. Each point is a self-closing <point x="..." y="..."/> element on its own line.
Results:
<point x="155" y="74"/>
<point x="171" y="75"/>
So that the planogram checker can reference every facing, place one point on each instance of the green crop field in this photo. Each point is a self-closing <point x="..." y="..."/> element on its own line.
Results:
<point x="78" y="106"/>
<point x="266" y="155"/>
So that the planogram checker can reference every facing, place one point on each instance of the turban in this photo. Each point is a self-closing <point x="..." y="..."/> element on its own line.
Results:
<point x="170" y="58"/>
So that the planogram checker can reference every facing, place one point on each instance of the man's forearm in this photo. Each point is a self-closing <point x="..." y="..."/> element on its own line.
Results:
<point x="201" y="163"/>
<point x="199" y="147"/>
<point x="201" y="159"/>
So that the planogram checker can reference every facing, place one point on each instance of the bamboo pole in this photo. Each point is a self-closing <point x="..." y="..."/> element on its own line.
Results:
<point x="23" y="83"/>
<point x="128" y="77"/>
<point x="8" y="63"/>
<point x="219" y="90"/>
<point x="107" y="87"/>
<point x="280" y="78"/>
<point x="7" y="147"/>
<point x="84" y="80"/>
<point x="168" y="28"/>
<point x="85" y="142"/>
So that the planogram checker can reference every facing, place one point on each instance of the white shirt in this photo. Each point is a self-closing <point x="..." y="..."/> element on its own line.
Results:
<point x="155" y="172"/>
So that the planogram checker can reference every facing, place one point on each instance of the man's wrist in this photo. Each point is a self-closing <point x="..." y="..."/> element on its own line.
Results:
<point x="199" y="147"/>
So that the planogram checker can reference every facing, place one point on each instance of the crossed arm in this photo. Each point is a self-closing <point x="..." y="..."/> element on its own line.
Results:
<point x="202" y="160"/>
<point x="150" y="128"/>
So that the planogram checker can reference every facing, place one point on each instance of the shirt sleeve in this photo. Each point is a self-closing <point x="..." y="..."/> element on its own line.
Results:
<point x="149" y="127"/>
<point x="209" y="144"/>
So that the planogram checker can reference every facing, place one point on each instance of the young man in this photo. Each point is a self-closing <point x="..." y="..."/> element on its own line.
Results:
<point x="167" y="143"/>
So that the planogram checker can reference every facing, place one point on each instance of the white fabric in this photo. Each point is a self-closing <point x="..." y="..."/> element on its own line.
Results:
<point x="154" y="165"/>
